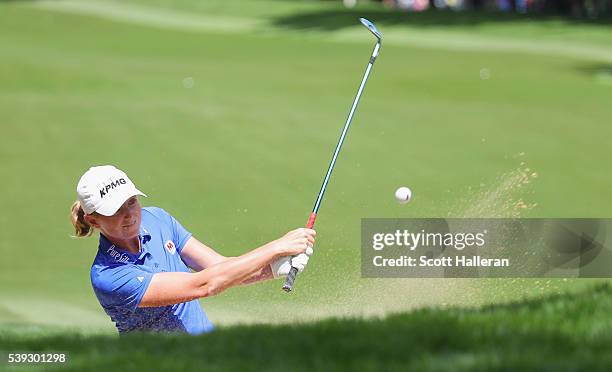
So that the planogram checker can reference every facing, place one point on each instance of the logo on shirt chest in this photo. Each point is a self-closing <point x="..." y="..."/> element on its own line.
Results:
<point x="170" y="247"/>
<point x="119" y="257"/>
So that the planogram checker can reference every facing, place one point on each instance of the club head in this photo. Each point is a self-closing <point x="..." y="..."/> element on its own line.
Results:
<point x="371" y="27"/>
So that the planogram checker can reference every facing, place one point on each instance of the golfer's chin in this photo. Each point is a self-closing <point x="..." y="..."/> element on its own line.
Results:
<point x="130" y="230"/>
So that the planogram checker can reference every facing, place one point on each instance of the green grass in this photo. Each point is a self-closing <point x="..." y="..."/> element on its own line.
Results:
<point x="239" y="157"/>
<point x="565" y="332"/>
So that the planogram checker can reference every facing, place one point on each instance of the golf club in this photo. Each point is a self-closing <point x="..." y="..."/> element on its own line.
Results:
<point x="288" y="286"/>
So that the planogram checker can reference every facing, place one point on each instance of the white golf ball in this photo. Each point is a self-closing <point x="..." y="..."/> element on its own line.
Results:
<point x="403" y="195"/>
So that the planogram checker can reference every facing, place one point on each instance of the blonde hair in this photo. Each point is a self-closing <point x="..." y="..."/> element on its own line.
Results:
<point x="77" y="216"/>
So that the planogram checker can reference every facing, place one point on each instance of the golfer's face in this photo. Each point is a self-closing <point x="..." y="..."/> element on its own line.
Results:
<point x="125" y="223"/>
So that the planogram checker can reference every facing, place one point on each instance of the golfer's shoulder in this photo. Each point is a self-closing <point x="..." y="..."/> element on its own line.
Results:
<point x="157" y="213"/>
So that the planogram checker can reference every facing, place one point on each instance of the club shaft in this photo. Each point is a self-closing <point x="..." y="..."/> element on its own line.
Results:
<point x="332" y="163"/>
<point x="288" y="286"/>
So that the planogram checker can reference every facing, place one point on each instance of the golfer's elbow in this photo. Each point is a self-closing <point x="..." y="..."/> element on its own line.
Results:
<point x="213" y="287"/>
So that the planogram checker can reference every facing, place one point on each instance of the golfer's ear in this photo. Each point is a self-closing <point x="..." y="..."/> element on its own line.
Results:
<point x="92" y="221"/>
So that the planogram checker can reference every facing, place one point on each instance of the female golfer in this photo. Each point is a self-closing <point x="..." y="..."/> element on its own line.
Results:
<point x="149" y="270"/>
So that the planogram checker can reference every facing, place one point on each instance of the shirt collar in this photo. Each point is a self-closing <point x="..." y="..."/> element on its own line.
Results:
<point x="121" y="255"/>
<point x="144" y="236"/>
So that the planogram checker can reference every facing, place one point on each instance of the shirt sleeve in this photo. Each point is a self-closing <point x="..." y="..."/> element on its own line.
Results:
<point x="121" y="286"/>
<point x="180" y="235"/>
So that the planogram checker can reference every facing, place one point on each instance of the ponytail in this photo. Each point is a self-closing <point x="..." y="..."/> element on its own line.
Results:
<point x="77" y="216"/>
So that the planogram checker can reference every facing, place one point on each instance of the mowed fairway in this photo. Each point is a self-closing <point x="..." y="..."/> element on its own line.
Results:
<point x="230" y="129"/>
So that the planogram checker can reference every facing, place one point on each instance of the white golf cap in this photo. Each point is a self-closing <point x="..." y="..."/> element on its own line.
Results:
<point x="104" y="189"/>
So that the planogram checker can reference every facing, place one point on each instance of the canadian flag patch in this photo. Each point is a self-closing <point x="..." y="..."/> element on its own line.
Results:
<point x="170" y="247"/>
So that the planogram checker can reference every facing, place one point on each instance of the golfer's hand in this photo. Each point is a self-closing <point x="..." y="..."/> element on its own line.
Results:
<point x="295" y="240"/>
<point x="281" y="266"/>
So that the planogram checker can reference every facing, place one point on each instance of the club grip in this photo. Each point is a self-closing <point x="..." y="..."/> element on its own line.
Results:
<point x="288" y="286"/>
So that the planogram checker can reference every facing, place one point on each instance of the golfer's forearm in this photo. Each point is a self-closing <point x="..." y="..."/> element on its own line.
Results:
<point x="234" y="270"/>
<point x="264" y="273"/>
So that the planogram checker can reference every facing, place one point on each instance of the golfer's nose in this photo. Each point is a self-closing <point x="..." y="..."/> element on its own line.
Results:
<point x="128" y="213"/>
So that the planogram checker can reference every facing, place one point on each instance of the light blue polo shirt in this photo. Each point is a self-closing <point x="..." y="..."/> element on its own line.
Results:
<point x="120" y="279"/>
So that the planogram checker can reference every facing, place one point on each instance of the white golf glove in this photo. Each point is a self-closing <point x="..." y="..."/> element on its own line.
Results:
<point x="282" y="266"/>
